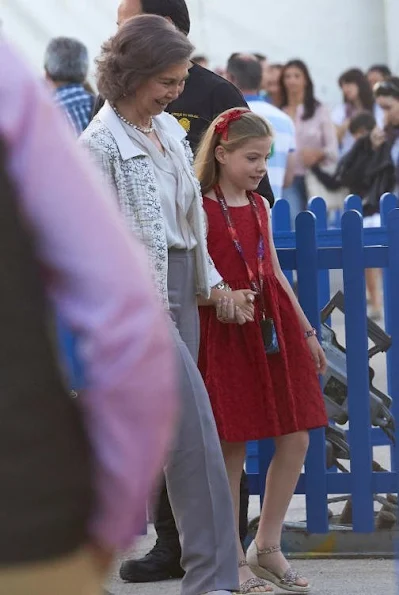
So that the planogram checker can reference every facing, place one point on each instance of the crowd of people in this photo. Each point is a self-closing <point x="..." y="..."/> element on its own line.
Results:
<point x="157" y="251"/>
<point x="350" y="149"/>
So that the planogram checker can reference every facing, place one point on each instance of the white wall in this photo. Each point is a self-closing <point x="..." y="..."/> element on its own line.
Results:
<point x="392" y="20"/>
<point x="32" y="23"/>
<point x="330" y="35"/>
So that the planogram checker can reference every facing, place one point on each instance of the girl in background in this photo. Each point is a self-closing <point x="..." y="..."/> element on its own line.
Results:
<point x="262" y="378"/>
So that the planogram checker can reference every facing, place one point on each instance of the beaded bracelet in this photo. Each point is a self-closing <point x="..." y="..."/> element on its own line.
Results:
<point x="311" y="333"/>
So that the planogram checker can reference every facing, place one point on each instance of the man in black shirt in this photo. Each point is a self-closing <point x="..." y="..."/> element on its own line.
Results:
<point x="205" y="96"/>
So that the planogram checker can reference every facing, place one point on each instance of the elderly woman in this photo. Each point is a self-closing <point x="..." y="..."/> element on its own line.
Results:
<point x="143" y="154"/>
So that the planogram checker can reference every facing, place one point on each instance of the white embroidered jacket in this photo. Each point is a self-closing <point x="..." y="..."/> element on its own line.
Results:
<point x="128" y="169"/>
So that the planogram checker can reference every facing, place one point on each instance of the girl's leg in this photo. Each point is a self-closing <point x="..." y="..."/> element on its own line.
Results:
<point x="281" y="480"/>
<point x="234" y="457"/>
<point x="373" y="288"/>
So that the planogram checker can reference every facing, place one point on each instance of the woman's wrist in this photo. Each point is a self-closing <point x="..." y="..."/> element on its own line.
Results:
<point x="216" y="294"/>
<point x="222" y="286"/>
<point x="220" y="291"/>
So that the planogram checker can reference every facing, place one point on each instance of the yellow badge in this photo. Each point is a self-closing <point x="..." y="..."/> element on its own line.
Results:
<point x="185" y="122"/>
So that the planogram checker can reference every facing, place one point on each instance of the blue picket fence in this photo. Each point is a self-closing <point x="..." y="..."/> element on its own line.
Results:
<point x="313" y="251"/>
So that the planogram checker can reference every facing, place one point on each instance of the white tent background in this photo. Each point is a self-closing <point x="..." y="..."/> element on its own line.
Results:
<point x="330" y="35"/>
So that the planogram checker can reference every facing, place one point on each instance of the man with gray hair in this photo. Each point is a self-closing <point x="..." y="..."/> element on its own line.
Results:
<point x="66" y="64"/>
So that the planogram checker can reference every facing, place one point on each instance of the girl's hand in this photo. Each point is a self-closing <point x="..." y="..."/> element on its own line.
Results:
<point x="319" y="357"/>
<point x="228" y="313"/>
<point x="244" y="299"/>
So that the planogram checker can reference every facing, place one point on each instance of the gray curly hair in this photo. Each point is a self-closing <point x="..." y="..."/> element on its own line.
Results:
<point x="66" y="60"/>
<point x="144" y="47"/>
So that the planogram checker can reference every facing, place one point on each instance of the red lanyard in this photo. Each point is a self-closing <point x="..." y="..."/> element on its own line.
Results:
<point x="256" y="282"/>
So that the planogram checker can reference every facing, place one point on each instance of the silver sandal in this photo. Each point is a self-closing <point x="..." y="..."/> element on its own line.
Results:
<point x="286" y="582"/>
<point x="247" y="587"/>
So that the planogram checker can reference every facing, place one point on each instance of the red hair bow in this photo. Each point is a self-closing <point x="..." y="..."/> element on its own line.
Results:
<point x="222" y="127"/>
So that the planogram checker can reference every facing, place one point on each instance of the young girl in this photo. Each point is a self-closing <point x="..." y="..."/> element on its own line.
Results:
<point x="261" y="377"/>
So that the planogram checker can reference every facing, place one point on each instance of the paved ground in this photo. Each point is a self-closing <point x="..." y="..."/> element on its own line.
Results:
<point x="329" y="577"/>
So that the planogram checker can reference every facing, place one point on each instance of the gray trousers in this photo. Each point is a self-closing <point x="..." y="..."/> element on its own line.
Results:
<point x="196" y="478"/>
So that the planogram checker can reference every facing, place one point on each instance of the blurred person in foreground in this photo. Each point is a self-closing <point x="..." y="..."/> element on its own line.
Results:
<point x="143" y="153"/>
<point x="246" y="73"/>
<point x="76" y="474"/>
<point x="66" y="65"/>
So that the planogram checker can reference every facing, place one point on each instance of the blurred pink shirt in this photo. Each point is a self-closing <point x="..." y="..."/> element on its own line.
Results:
<point x="96" y="276"/>
<point x="316" y="133"/>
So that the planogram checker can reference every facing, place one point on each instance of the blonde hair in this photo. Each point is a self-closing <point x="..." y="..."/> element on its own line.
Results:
<point x="240" y="131"/>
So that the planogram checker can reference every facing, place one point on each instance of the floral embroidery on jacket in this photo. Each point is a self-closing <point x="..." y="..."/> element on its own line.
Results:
<point x="136" y="187"/>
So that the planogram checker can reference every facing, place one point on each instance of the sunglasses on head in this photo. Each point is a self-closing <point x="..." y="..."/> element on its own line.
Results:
<point x="386" y="89"/>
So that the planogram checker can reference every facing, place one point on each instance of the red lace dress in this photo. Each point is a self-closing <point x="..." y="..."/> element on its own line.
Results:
<point x="255" y="395"/>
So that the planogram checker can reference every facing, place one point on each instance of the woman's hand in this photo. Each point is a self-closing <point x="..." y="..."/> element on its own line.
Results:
<point x="319" y="357"/>
<point x="228" y="313"/>
<point x="237" y="307"/>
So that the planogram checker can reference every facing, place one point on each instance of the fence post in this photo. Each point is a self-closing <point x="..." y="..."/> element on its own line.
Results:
<point x="316" y="473"/>
<point x="357" y="371"/>
<point x="281" y="217"/>
<point x="281" y="221"/>
<point x="387" y="204"/>
<point x="353" y="203"/>
<point x="318" y="207"/>
<point x="393" y="301"/>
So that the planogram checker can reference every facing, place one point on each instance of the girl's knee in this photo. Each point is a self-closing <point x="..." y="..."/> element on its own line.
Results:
<point x="302" y="440"/>
<point x="297" y="442"/>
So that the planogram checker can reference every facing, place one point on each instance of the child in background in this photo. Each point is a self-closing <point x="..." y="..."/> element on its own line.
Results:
<point x="262" y="378"/>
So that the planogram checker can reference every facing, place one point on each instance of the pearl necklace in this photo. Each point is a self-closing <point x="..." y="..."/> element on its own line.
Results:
<point x="139" y="128"/>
